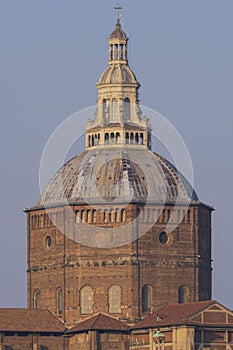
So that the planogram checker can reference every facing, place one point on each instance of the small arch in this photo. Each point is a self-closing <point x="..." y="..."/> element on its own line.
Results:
<point x="89" y="141"/>
<point x="48" y="241"/>
<point x="121" y="52"/>
<point x="122" y="215"/>
<point x="111" y="216"/>
<point x="141" y="139"/>
<point x="86" y="300"/>
<point x="116" y="214"/>
<point x="168" y="214"/>
<point x="105" y="215"/>
<point x="82" y="216"/>
<point x="93" y="215"/>
<point x="106" y="138"/>
<point x="183" y="295"/>
<point x="92" y="140"/>
<point x="36" y="300"/>
<point x="126" y="109"/>
<point x="112" y="136"/>
<point x="127" y="138"/>
<point x="163" y="216"/>
<point x="111" y="52"/>
<point x="147" y="298"/>
<point x="114" y="299"/>
<point x="59" y="302"/>
<point x="88" y="215"/>
<point x="136" y="138"/>
<point x="131" y="137"/>
<point x="95" y="140"/>
<point x="115" y="53"/>
<point x="117" y="137"/>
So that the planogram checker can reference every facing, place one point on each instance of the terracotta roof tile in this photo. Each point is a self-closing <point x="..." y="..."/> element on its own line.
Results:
<point x="173" y="314"/>
<point x="25" y="320"/>
<point x="100" y="322"/>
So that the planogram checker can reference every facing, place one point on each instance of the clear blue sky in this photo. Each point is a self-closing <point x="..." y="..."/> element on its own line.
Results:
<point x="52" y="54"/>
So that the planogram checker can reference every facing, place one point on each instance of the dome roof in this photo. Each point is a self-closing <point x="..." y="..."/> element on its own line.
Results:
<point x="117" y="74"/>
<point x="118" y="32"/>
<point x="119" y="175"/>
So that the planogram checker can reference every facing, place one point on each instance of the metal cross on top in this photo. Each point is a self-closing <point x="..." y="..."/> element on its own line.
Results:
<point x="118" y="8"/>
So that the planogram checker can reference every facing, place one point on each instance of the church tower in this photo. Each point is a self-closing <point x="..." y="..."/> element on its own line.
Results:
<point x="118" y="118"/>
<point x="104" y="237"/>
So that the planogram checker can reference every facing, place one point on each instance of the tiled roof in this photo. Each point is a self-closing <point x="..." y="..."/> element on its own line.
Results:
<point x="173" y="314"/>
<point x="25" y="320"/>
<point x="100" y="322"/>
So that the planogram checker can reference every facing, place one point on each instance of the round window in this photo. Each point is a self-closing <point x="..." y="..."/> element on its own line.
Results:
<point x="163" y="237"/>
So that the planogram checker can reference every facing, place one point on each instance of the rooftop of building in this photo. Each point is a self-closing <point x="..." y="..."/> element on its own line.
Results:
<point x="208" y="312"/>
<point x="26" y="320"/>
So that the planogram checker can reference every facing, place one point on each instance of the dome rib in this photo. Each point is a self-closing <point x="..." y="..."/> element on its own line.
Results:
<point x="117" y="173"/>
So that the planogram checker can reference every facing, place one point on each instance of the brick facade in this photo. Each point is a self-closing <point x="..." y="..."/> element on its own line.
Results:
<point x="182" y="261"/>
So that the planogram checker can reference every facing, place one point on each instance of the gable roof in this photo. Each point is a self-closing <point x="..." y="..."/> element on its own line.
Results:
<point x="26" y="320"/>
<point x="174" y="314"/>
<point x="99" y="322"/>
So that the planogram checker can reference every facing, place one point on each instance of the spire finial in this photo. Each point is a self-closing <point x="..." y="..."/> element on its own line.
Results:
<point x="118" y="8"/>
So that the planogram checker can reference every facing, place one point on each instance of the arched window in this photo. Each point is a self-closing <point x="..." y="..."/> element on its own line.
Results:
<point x="95" y="140"/>
<point x="82" y="216"/>
<point x="131" y="138"/>
<point x="114" y="109"/>
<point x="183" y="294"/>
<point x="112" y="136"/>
<point x="122" y="215"/>
<point x="106" y="138"/>
<point x="136" y="138"/>
<point x="105" y="215"/>
<point x="89" y="141"/>
<point x="117" y="137"/>
<point x="121" y="52"/>
<point x="93" y="219"/>
<point x="146" y="298"/>
<point x="115" y="52"/>
<point x="88" y="214"/>
<point x="48" y="242"/>
<point x="141" y="139"/>
<point x="111" y="216"/>
<point x="127" y="137"/>
<point x="59" y="301"/>
<point x="116" y="214"/>
<point x="126" y="109"/>
<point x="36" y="300"/>
<point x="86" y="300"/>
<point x="114" y="300"/>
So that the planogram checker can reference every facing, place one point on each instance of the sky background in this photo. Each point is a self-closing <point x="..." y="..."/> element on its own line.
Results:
<point x="51" y="56"/>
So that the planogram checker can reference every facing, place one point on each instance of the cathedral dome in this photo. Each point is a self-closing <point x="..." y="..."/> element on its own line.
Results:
<point x="120" y="175"/>
<point x="117" y="74"/>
